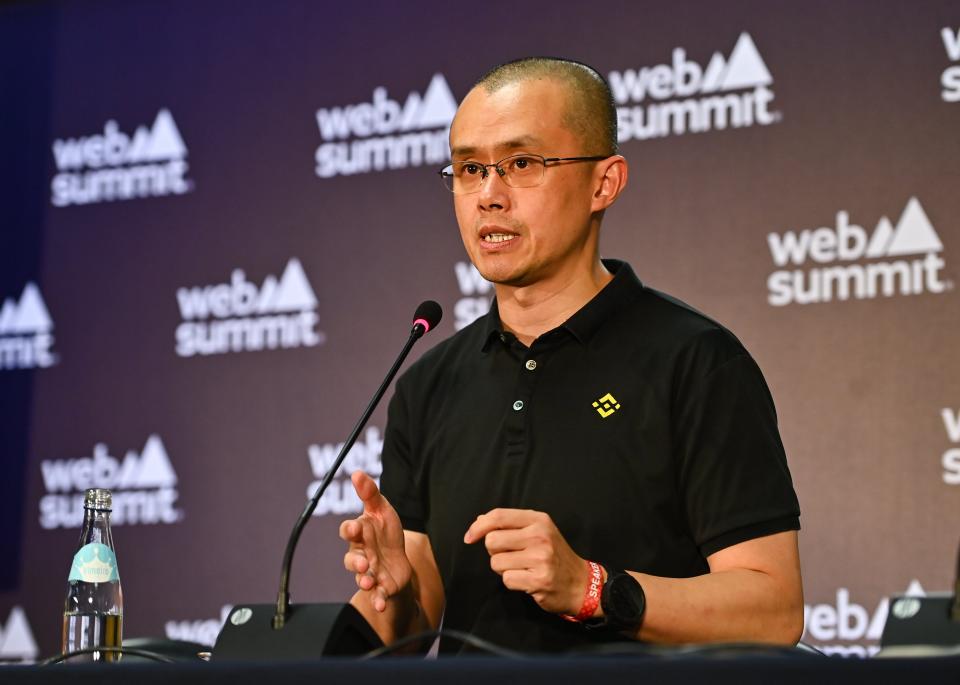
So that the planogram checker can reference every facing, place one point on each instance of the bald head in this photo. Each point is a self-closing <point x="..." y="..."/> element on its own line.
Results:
<point x="590" y="112"/>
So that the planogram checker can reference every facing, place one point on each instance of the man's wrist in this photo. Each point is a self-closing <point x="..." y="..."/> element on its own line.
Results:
<point x="591" y="594"/>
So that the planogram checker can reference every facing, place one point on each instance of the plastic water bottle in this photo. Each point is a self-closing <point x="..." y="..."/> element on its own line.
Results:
<point x="93" y="610"/>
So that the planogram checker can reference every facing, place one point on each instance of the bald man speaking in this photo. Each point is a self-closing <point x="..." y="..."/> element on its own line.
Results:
<point x="593" y="460"/>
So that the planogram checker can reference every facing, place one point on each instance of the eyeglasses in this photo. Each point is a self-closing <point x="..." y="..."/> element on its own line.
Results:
<point x="517" y="171"/>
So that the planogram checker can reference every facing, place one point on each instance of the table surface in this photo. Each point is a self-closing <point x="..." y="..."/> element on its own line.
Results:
<point x="467" y="670"/>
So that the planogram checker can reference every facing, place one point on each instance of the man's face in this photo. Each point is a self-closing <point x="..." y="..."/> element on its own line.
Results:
<point x="521" y="236"/>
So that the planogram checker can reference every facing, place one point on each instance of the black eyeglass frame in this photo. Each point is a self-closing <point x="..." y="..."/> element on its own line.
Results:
<point x="502" y="173"/>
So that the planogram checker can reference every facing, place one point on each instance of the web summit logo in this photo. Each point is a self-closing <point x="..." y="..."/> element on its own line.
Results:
<point x="845" y="627"/>
<point x="240" y="317"/>
<point x="25" y="332"/>
<point x="16" y="638"/>
<point x="951" y="458"/>
<point x="204" y="630"/>
<point x="144" y="486"/>
<point x="476" y="295"/>
<point x="115" y="166"/>
<point x="726" y="93"/>
<point x="893" y="273"/>
<point x="340" y="498"/>
<point x="383" y="135"/>
<point x="950" y="78"/>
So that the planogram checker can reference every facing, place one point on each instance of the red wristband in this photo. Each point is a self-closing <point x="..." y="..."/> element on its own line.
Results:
<point x="591" y="597"/>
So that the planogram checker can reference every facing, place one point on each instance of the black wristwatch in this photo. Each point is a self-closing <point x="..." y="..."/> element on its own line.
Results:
<point x="623" y="602"/>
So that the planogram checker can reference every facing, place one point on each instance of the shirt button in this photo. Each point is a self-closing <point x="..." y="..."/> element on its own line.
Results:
<point x="518" y="405"/>
<point x="531" y="364"/>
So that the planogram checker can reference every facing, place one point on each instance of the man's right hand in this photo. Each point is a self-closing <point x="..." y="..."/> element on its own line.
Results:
<point x="376" y="554"/>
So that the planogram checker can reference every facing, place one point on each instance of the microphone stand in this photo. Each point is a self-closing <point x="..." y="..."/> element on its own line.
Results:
<point x="283" y="596"/>
<point x="281" y="631"/>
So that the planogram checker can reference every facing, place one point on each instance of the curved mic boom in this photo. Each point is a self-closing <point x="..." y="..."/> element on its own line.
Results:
<point x="426" y="317"/>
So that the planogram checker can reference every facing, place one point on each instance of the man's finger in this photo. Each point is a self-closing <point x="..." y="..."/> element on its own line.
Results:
<point x="367" y="491"/>
<point x="359" y="561"/>
<point x="498" y="519"/>
<point x="519" y="579"/>
<point x="380" y="599"/>
<point x="509" y="540"/>
<point x="365" y="581"/>
<point x="350" y="530"/>
<point x="356" y="561"/>
<point x="369" y="544"/>
<point x="511" y="561"/>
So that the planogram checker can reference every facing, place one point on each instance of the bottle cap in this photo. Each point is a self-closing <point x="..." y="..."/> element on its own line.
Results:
<point x="98" y="498"/>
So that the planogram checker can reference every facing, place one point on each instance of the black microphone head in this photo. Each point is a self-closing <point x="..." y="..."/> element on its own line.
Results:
<point x="428" y="315"/>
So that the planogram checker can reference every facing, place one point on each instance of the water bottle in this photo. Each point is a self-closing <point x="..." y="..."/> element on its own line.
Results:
<point x="93" y="610"/>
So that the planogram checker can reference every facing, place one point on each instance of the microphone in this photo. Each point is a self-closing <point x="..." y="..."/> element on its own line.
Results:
<point x="426" y="317"/>
<point x="321" y="625"/>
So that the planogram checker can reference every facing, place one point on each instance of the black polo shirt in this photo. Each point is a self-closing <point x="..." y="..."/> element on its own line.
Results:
<point x="642" y="427"/>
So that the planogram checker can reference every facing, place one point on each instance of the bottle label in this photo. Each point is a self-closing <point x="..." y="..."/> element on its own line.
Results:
<point x="94" y="563"/>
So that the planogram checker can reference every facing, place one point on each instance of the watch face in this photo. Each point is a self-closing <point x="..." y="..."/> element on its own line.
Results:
<point x="625" y="603"/>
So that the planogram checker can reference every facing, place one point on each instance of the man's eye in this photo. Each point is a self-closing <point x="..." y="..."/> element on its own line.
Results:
<point x="469" y="169"/>
<point x="523" y="164"/>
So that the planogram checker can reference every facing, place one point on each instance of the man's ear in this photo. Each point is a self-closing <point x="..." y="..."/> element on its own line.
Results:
<point x="610" y="176"/>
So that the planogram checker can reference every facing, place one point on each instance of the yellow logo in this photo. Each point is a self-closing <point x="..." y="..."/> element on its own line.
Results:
<point x="606" y="405"/>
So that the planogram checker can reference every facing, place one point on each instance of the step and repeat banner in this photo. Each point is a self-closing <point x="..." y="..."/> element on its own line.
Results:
<point x="217" y="218"/>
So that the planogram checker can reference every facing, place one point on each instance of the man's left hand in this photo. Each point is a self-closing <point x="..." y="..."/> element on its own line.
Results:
<point x="531" y="555"/>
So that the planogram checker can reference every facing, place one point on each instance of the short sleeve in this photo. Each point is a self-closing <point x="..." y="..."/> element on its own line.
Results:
<point x="400" y="480"/>
<point x="733" y="473"/>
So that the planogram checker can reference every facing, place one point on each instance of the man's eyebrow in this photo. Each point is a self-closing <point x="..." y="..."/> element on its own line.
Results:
<point x="463" y="151"/>
<point x="522" y="141"/>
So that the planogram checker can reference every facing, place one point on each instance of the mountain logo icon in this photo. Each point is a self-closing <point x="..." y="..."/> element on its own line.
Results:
<point x="161" y="142"/>
<point x="16" y="638"/>
<point x="436" y="109"/>
<point x="292" y="294"/>
<point x="149" y="469"/>
<point x="27" y="316"/>
<point x="744" y="69"/>
<point x="914" y="234"/>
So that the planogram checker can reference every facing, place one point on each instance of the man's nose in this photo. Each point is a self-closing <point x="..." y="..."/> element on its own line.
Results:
<point x="494" y="192"/>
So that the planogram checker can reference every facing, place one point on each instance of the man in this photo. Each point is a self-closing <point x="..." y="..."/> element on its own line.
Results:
<point x="593" y="460"/>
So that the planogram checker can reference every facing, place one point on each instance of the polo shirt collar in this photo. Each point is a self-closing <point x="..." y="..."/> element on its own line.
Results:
<point x="585" y="322"/>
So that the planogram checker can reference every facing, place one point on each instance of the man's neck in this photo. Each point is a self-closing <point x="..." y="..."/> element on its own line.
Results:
<point x="530" y="311"/>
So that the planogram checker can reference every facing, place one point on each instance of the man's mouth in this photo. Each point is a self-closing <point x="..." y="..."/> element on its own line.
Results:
<point x="497" y="237"/>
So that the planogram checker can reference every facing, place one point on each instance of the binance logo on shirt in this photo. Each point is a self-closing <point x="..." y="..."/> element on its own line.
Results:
<point x="606" y="405"/>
